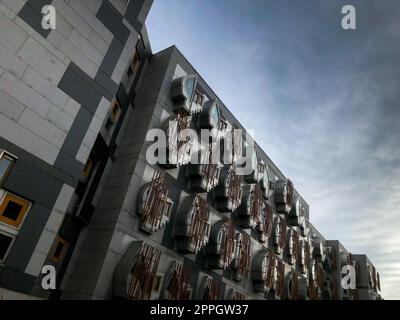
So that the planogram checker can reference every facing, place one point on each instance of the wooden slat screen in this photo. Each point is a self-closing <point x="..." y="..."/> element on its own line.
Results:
<point x="228" y="245"/>
<point x="199" y="227"/>
<point x="280" y="288"/>
<point x="178" y="284"/>
<point x="209" y="170"/>
<point x="144" y="272"/>
<point x="257" y="203"/>
<point x="244" y="262"/>
<point x="156" y="204"/>
<point x="212" y="290"/>
<point x="296" y="245"/>
<point x="234" y="189"/>
<point x="282" y="237"/>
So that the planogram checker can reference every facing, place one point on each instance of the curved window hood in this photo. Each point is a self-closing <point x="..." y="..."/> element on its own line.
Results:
<point x="284" y="196"/>
<point x="263" y="271"/>
<point x="220" y="248"/>
<point x="182" y="92"/>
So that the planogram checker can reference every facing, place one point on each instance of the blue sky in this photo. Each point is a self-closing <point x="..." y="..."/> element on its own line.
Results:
<point x="324" y="103"/>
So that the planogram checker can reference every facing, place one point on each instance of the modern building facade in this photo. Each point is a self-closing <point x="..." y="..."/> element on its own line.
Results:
<point x="77" y="191"/>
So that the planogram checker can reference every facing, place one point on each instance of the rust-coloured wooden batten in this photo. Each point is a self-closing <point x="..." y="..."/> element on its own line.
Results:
<point x="154" y="204"/>
<point x="144" y="273"/>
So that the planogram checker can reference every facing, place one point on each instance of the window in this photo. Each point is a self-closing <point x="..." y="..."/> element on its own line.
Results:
<point x="115" y="110"/>
<point x="59" y="249"/>
<point x="6" y="163"/>
<point x="13" y="210"/>
<point x="88" y="168"/>
<point x="198" y="98"/>
<point x="5" y="244"/>
<point x="135" y="63"/>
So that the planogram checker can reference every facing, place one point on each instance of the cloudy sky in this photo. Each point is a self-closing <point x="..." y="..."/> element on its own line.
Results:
<point x="324" y="103"/>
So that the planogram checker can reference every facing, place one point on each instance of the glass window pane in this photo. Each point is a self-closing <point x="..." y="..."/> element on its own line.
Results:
<point x="12" y="210"/>
<point x="5" y="242"/>
<point x="189" y="86"/>
<point x="5" y="163"/>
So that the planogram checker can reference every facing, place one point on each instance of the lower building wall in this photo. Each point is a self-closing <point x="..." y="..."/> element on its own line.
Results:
<point x="6" y="294"/>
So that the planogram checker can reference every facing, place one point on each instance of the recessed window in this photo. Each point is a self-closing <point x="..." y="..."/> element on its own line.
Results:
<point x="13" y="210"/>
<point x="115" y="111"/>
<point x="6" y="163"/>
<point x="88" y="168"/>
<point x="5" y="244"/>
<point x="59" y="249"/>
<point x="135" y="63"/>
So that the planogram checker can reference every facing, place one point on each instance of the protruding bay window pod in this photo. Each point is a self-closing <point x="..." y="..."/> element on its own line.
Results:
<point x="205" y="176"/>
<point x="208" y="289"/>
<point x="228" y="193"/>
<point x="176" y="284"/>
<point x="284" y="196"/>
<point x="235" y="295"/>
<point x="297" y="213"/>
<point x="280" y="230"/>
<point x="154" y="206"/>
<point x="293" y="247"/>
<point x="179" y="144"/>
<point x="182" y="93"/>
<point x="256" y="168"/>
<point x="136" y="273"/>
<point x="329" y="262"/>
<point x="265" y="223"/>
<point x="192" y="228"/>
<point x="278" y="292"/>
<point x="296" y="286"/>
<point x="241" y="261"/>
<point x="304" y="227"/>
<point x="314" y="290"/>
<point x="210" y="116"/>
<point x="263" y="271"/>
<point x="220" y="248"/>
<point x="318" y="249"/>
<point x="252" y="206"/>
<point x="302" y="257"/>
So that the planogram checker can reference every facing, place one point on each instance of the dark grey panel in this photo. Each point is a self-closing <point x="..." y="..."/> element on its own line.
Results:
<point x="112" y="56"/>
<point x="29" y="235"/>
<point x="61" y="175"/>
<point x="69" y="165"/>
<point x="135" y="23"/>
<point x="74" y="137"/>
<point x="110" y="87"/>
<point x="16" y="280"/>
<point x="81" y="87"/>
<point x="33" y="184"/>
<point x="111" y="18"/>
<point x="31" y="14"/>
<point x="122" y="97"/>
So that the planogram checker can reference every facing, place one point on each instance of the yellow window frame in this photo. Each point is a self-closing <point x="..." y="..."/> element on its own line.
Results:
<point x="8" y="197"/>
<point x="63" y="250"/>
